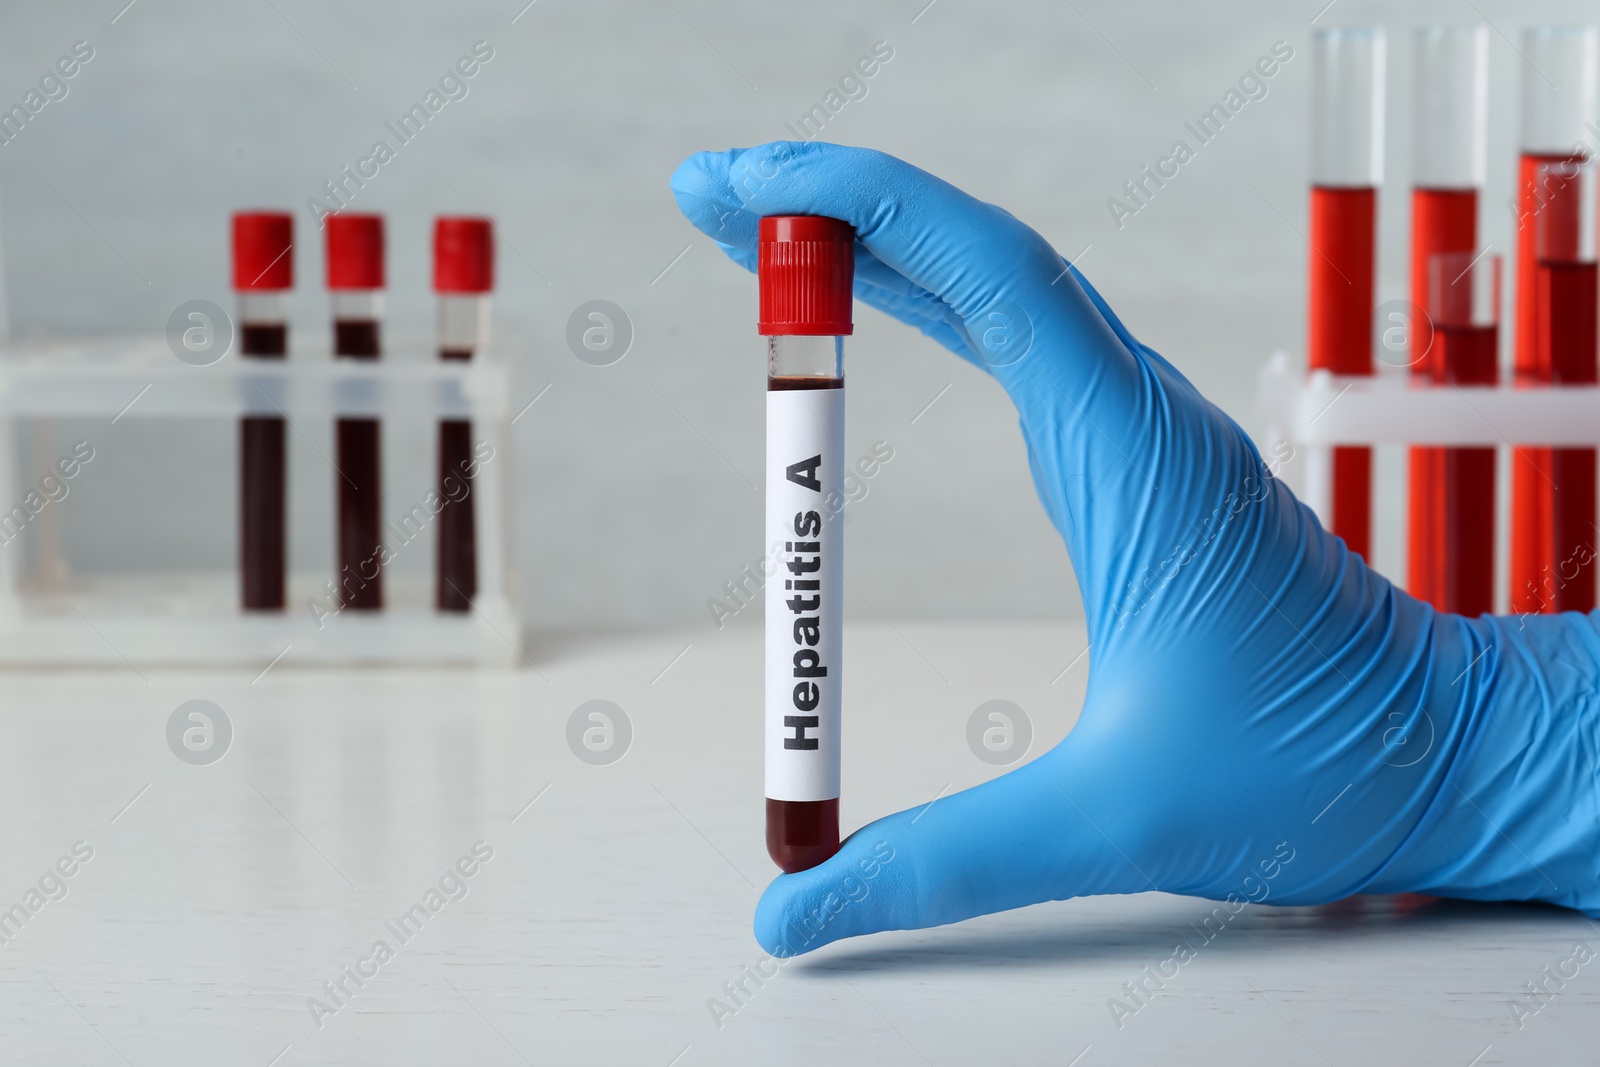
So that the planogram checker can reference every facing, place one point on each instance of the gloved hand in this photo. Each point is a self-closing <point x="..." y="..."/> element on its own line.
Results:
<point x="1267" y="718"/>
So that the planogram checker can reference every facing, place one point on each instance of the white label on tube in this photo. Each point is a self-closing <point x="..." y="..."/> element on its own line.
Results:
<point x="805" y="593"/>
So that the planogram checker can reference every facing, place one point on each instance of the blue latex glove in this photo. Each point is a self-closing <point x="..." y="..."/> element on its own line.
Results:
<point x="1267" y="718"/>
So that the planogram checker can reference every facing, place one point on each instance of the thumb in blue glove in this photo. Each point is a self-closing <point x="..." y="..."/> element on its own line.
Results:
<point x="1267" y="719"/>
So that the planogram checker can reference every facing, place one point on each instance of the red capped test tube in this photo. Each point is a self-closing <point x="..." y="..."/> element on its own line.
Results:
<point x="1464" y="308"/>
<point x="463" y="276"/>
<point x="263" y="274"/>
<point x="1558" y="87"/>
<point x="1566" y="290"/>
<point x="356" y="280"/>
<point x="806" y="266"/>
<point x="1449" y="124"/>
<point x="1346" y="170"/>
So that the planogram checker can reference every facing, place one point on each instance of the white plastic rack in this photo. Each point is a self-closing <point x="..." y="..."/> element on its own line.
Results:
<point x="1315" y="412"/>
<point x="195" y="618"/>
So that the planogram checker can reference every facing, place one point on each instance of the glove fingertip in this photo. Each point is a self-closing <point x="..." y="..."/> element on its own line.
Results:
<point x="702" y="190"/>
<point x="794" y="916"/>
<point x="703" y="174"/>
<point x="851" y="894"/>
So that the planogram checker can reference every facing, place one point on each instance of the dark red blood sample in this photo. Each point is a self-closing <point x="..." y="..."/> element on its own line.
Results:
<point x="1463" y="571"/>
<point x="802" y="833"/>
<point x="360" y="482"/>
<point x="356" y="338"/>
<point x="458" y="534"/>
<point x="262" y="485"/>
<point x="360" y="576"/>
<point x="786" y="382"/>
<point x="1567" y="341"/>
<point x="269" y="340"/>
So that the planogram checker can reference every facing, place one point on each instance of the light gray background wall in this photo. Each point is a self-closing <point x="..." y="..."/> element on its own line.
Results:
<point x="631" y="510"/>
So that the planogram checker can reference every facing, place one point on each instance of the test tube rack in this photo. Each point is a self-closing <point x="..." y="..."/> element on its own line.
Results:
<point x="1315" y="412"/>
<point x="194" y="619"/>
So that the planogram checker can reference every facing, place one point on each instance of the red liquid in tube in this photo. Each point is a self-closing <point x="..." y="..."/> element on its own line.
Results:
<point x="267" y="340"/>
<point x="1464" y="551"/>
<point x="1567" y="299"/>
<point x="1339" y="309"/>
<point x="359" y="448"/>
<point x="1442" y="220"/>
<point x="1531" y="533"/>
<point x="263" y="487"/>
<point x="457" y="581"/>
<point x="463" y="276"/>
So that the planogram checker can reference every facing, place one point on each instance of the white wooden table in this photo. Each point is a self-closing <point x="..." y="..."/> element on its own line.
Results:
<point x="219" y="899"/>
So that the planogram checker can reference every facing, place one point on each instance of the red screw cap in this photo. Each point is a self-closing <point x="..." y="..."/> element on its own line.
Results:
<point x="463" y="255"/>
<point x="355" y="251"/>
<point x="805" y="264"/>
<point x="261" y="250"/>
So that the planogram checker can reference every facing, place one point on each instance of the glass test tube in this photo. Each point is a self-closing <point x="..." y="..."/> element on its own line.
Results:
<point x="1449" y="122"/>
<point x="1346" y="170"/>
<point x="463" y="276"/>
<point x="1558" y="88"/>
<point x="263" y="273"/>
<point x="806" y="266"/>
<point x="1464" y="307"/>
<point x="356" y="279"/>
<point x="1565" y="297"/>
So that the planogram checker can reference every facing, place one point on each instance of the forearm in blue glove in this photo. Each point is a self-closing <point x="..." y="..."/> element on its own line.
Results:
<point x="1266" y="717"/>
